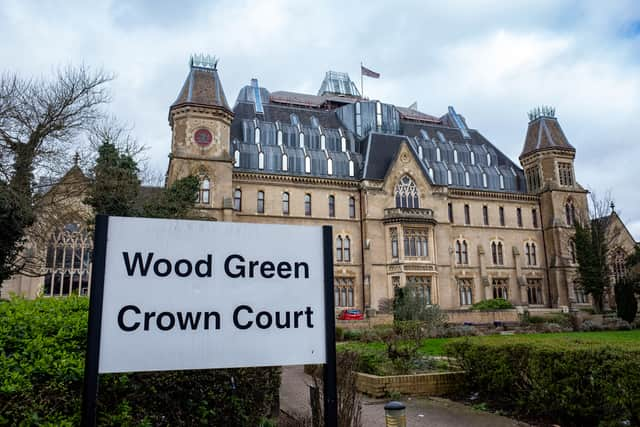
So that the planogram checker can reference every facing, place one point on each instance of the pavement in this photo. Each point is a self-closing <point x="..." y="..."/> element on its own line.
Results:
<point x="421" y="411"/>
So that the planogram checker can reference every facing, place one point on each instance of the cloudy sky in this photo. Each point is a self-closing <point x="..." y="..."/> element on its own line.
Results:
<point x="492" y="60"/>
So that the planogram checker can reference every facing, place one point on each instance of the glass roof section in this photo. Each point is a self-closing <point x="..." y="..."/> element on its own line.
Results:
<point x="339" y="84"/>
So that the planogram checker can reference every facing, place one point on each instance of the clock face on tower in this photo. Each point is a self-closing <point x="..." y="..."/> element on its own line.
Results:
<point x="202" y="137"/>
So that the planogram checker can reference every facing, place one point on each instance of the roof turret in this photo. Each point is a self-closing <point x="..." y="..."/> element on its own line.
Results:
<point x="202" y="86"/>
<point x="544" y="132"/>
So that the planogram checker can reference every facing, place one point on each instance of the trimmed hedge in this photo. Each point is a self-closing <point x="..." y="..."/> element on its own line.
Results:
<point x="42" y="350"/>
<point x="492" y="304"/>
<point x="571" y="382"/>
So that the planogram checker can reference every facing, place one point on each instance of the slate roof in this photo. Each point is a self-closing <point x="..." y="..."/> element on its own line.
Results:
<point x="370" y="142"/>
<point x="545" y="133"/>
<point x="202" y="87"/>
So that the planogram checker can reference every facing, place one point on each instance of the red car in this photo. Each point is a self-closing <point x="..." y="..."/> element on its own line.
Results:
<point x="351" y="315"/>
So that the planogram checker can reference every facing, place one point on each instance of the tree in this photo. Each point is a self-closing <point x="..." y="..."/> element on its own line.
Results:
<point x="174" y="202"/>
<point x="626" y="302"/>
<point x="40" y="119"/>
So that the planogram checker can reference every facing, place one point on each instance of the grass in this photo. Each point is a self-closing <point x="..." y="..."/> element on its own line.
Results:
<point x="435" y="346"/>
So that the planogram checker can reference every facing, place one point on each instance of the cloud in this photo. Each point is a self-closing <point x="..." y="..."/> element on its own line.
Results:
<point x="492" y="60"/>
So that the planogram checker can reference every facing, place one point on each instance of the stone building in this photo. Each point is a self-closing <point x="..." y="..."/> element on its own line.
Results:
<point x="412" y="198"/>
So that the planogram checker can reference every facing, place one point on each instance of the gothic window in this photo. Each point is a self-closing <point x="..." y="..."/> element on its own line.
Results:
<point x="307" y="204"/>
<point x="485" y="215"/>
<point x="465" y="287"/>
<point x="619" y="265"/>
<point x="332" y="206"/>
<point x="285" y="203"/>
<point x="339" y="249"/>
<point x="565" y="174"/>
<point x="352" y="207"/>
<point x="569" y="212"/>
<point x="497" y="253"/>
<point x="501" y="215"/>
<point x="407" y="193"/>
<point x="343" y="292"/>
<point x="467" y="215"/>
<point x="347" y="249"/>
<point x="204" y="191"/>
<point x="416" y="243"/>
<point x="285" y="163"/>
<point x="260" y="202"/>
<point x="462" y="252"/>
<point x="534" y="291"/>
<point x="237" y="200"/>
<point x="421" y="286"/>
<point x="394" y="242"/>
<point x="500" y="288"/>
<point x="68" y="262"/>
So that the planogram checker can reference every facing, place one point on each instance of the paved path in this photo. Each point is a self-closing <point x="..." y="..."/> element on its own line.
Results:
<point x="432" y="412"/>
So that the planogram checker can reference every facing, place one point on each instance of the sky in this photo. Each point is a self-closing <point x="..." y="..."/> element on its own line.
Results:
<point x="492" y="60"/>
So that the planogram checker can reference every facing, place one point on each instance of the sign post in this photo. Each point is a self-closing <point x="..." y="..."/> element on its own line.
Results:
<point x="176" y="294"/>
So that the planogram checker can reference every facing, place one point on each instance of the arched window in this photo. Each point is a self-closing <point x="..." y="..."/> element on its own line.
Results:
<point x="619" y="265"/>
<point x="438" y="154"/>
<point x="530" y="252"/>
<point x="485" y="182"/>
<point x="323" y="142"/>
<point x="257" y="134"/>
<point x="261" y="160"/>
<point x="352" y="207"/>
<point x="68" y="261"/>
<point x="330" y="166"/>
<point x="569" y="212"/>
<point x="339" y="249"/>
<point x="466" y="291"/>
<point x="473" y="158"/>
<point x="449" y="177"/>
<point x="501" y="178"/>
<point x="332" y="206"/>
<point x="467" y="178"/>
<point x="236" y="159"/>
<point x="488" y="159"/>
<point x="407" y="193"/>
<point x="462" y="252"/>
<point x="431" y="172"/>
<point x="260" y="202"/>
<point x="420" y="151"/>
<point x="301" y="140"/>
<point x="497" y="253"/>
<point x="351" y="168"/>
<point x="307" y="204"/>
<point x="347" y="249"/>
<point x="455" y="156"/>
<point x="205" y="188"/>
<point x="279" y="137"/>
<point x="237" y="200"/>
<point x="285" y="203"/>
<point x="285" y="163"/>
<point x="343" y="144"/>
<point x="307" y="164"/>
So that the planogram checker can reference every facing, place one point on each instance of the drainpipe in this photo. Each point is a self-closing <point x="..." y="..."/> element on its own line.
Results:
<point x="362" y="250"/>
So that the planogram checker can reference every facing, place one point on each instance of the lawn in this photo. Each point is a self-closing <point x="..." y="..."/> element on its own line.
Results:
<point x="435" y="346"/>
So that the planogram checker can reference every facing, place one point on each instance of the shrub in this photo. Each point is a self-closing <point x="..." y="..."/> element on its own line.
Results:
<point x="339" y="333"/>
<point x="573" y="383"/>
<point x="42" y="350"/>
<point x="626" y="302"/>
<point x="492" y="304"/>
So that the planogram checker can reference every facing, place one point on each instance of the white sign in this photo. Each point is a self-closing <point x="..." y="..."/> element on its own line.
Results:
<point x="199" y="294"/>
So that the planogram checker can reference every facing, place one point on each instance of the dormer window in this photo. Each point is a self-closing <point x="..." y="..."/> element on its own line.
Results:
<point x="420" y="151"/>
<point x="257" y="136"/>
<point x="485" y="182"/>
<point x="438" y="154"/>
<point x="301" y="140"/>
<point x="449" y="177"/>
<point x="307" y="164"/>
<point x="279" y="137"/>
<point x="378" y="116"/>
<point x="488" y="159"/>
<point x="473" y="158"/>
<point x="358" y="119"/>
<point x="285" y="163"/>
<point x="431" y="172"/>
<point x="329" y="166"/>
<point x="261" y="160"/>
<point x="501" y="182"/>
<point x="236" y="159"/>
<point x="455" y="156"/>
<point x="351" y="168"/>
<point x="323" y="142"/>
<point x="343" y="144"/>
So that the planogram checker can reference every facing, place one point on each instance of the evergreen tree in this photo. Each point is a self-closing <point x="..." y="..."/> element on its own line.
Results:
<point x="626" y="302"/>
<point x="175" y="201"/>
<point x="116" y="186"/>
<point x="591" y="254"/>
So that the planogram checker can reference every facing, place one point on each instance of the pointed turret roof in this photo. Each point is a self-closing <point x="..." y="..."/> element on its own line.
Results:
<point x="202" y="86"/>
<point x="544" y="133"/>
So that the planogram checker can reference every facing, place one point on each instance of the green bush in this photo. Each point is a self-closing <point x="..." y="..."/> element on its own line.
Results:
<point x="42" y="350"/>
<point x="492" y="304"/>
<point x="339" y="333"/>
<point x="572" y="382"/>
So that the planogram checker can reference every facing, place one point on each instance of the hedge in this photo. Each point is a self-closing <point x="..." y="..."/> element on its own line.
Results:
<point x="570" y="382"/>
<point x="42" y="350"/>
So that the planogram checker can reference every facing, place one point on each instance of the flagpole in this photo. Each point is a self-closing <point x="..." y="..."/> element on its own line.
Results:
<point x="361" y="82"/>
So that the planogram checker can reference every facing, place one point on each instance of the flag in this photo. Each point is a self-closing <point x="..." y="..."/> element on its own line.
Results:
<point x="369" y="73"/>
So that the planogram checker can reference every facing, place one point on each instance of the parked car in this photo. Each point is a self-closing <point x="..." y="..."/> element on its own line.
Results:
<point x="351" y="315"/>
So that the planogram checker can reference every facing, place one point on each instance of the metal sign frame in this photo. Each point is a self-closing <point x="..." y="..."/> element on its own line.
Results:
<point x="92" y="358"/>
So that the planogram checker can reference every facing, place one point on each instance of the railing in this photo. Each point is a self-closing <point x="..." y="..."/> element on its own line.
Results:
<point x="408" y="214"/>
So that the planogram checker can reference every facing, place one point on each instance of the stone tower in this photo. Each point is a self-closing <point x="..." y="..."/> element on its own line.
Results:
<point x="200" y="121"/>
<point x="547" y="160"/>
